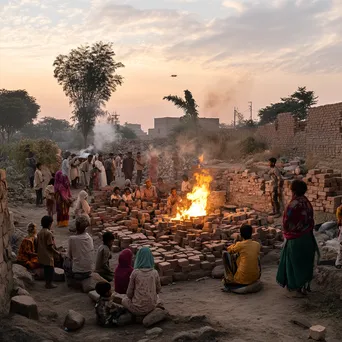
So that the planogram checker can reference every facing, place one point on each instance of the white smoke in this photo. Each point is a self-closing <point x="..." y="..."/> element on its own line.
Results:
<point x="104" y="133"/>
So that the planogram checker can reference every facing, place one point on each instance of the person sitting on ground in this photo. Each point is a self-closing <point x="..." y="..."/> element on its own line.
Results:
<point x="186" y="186"/>
<point x="144" y="285"/>
<point x="149" y="192"/>
<point x="338" y="262"/>
<point x="162" y="189"/>
<point x="104" y="254"/>
<point x="82" y="206"/>
<point x="27" y="254"/>
<point x="127" y="196"/>
<point x="107" y="313"/>
<point x="115" y="197"/>
<point x="123" y="206"/>
<point x="241" y="261"/>
<point x="173" y="202"/>
<point x="123" y="271"/>
<point x="46" y="250"/>
<point x="49" y="194"/>
<point x="79" y="262"/>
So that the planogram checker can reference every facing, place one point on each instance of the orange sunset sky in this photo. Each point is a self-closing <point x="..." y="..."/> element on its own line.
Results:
<point x="226" y="52"/>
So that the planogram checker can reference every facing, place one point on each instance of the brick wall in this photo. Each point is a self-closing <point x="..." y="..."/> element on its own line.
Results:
<point x="6" y="278"/>
<point x="320" y="135"/>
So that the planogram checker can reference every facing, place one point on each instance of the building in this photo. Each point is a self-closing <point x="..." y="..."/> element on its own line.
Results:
<point x="164" y="126"/>
<point x="136" y="128"/>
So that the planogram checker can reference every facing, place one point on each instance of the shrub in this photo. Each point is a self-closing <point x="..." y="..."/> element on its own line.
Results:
<point x="250" y="145"/>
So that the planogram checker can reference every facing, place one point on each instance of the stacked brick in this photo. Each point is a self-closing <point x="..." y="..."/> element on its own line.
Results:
<point x="324" y="189"/>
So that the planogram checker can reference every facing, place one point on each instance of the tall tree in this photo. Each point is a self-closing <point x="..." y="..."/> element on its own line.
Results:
<point x="298" y="104"/>
<point x="17" y="108"/>
<point x="88" y="76"/>
<point x="188" y="105"/>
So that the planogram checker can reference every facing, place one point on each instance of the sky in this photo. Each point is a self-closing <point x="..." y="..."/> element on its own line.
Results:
<point x="226" y="52"/>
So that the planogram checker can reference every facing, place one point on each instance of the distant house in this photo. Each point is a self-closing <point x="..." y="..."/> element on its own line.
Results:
<point x="136" y="128"/>
<point x="164" y="126"/>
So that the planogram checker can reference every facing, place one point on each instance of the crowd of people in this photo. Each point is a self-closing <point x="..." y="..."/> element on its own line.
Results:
<point x="136" y="282"/>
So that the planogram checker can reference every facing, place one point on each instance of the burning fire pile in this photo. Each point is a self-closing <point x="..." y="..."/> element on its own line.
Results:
<point x="196" y="204"/>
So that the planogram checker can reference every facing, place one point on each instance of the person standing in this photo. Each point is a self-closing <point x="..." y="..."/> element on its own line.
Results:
<point x="86" y="169"/>
<point x="297" y="258"/>
<point x="128" y="166"/>
<point x="49" y="194"/>
<point x="118" y="165"/>
<point x="74" y="170"/>
<point x="102" y="172"/>
<point x="140" y="165"/>
<point x="31" y="168"/>
<point x="63" y="199"/>
<point x="66" y="165"/>
<point x="109" y="165"/>
<point x="277" y="185"/>
<point x="38" y="184"/>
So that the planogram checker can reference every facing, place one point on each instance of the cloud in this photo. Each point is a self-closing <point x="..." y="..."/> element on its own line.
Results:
<point x="236" y="5"/>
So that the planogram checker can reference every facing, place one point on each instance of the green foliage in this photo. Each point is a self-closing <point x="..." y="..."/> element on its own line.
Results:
<point x="88" y="76"/>
<point x="298" y="104"/>
<point x="126" y="132"/>
<point x="17" y="108"/>
<point x="188" y="105"/>
<point x="250" y="145"/>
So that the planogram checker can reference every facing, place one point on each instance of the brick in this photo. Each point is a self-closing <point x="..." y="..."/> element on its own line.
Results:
<point x="206" y="265"/>
<point x="183" y="262"/>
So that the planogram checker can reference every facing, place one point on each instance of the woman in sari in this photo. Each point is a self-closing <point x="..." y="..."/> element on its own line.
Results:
<point x="298" y="255"/>
<point x="63" y="199"/>
<point x="27" y="254"/>
<point x="82" y="206"/>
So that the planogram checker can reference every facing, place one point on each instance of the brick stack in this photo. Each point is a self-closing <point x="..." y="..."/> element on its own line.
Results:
<point x="324" y="189"/>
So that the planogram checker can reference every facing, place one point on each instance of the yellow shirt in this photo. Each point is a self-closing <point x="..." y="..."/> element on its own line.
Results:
<point x="248" y="270"/>
<point x="339" y="215"/>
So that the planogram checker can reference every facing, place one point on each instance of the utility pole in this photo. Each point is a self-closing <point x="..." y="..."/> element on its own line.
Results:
<point x="251" y="110"/>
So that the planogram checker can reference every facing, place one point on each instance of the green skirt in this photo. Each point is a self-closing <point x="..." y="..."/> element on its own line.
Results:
<point x="297" y="260"/>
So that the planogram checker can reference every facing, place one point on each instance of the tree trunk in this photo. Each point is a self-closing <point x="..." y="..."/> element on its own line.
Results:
<point x="85" y="137"/>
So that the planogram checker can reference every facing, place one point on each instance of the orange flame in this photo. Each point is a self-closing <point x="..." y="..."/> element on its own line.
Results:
<point x="197" y="198"/>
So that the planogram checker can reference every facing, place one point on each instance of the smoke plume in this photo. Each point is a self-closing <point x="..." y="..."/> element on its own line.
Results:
<point x="104" y="134"/>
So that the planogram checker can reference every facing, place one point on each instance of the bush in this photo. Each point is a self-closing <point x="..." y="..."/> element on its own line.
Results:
<point x="250" y="145"/>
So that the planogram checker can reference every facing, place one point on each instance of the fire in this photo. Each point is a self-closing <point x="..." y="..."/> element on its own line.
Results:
<point x="197" y="198"/>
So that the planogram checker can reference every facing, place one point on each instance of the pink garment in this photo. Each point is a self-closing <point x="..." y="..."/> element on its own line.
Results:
<point x="62" y="186"/>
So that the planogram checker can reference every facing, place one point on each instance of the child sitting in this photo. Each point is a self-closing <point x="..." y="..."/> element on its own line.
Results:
<point x="127" y="196"/>
<point x="115" y="197"/>
<point x="123" y="271"/>
<point x="144" y="285"/>
<point x="107" y="313"/>
<point x="104" y="254"/>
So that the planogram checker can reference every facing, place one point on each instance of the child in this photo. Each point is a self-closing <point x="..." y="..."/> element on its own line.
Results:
<point x="115" y="197"/>
<point x="186" y="186"/>
<point x="104" y="254"/>
<point x="123" y="271"/>
<point x="173" y="202"/>
<point x="338" y="263"/>
<point x="38" y="184"/>
<point x="123" y="206"/>
<point x="46" y="250"/>
<point x="127" y="196"/>
<point x="49" y="194"/>
<point x="107" y="313"/>
<point x="144" y="285"/>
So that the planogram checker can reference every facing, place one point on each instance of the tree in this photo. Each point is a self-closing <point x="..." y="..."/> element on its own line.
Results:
<point x="17" y="108"/>
<point x="188" y="105"/>
<point x="88" y="76"/>
<point x="126" y="132"/>
<point x="298" y="104"/>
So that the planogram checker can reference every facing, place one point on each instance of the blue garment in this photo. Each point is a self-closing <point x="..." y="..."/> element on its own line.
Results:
<point x="144" y="259"/>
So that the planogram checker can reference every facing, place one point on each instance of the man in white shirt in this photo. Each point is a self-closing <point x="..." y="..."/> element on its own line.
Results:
<point x="66" y="165"/>
<point x="118" y="165"/>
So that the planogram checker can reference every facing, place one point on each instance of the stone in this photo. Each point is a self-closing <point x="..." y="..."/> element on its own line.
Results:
<point x="317" y="332"/>
<point x="154" y="332"/>
<point x="21" y="273"/>
<point x="90" y="283"/>
<point x="144" y="340"/>
<point x="59" y="275"/>
<point x="154" y="317"/>
<point x="204" y="333"/>
<point x="94" y="296"/>
<point x="73" y="321"/>
<point x="22" y="292"/>
<point x="25" y="306"/>
<point x="218" y="272"/>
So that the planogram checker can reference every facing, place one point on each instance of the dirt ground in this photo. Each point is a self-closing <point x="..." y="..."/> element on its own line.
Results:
<point x="264" y="316"/>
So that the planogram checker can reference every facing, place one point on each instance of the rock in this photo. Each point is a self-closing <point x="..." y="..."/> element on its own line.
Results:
<point x="154" y="317"/>
<point x="94" y="296"/>
<point x="21" y="273"/>
<point x="21" y="292"/>
<point x="218" y="272"/>
<point x="73" y="321"/>
<point x="317" y="332"/>
<point x="154" y="332"/>
<point x="90" y="283"/>
<point x="144" y="340"/>
<point x="25" y="306"/>
<point x="195" y="335"/>
<point x="59" y="275"/>
<point x="197" y="318"/>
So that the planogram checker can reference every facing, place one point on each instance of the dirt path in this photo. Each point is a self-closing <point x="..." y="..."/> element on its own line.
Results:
<point x="259" y="317"/>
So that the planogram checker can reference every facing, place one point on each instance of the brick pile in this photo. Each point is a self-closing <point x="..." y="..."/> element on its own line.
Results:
<point x="324" y="189"/>
<point x="182" y="249"/>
